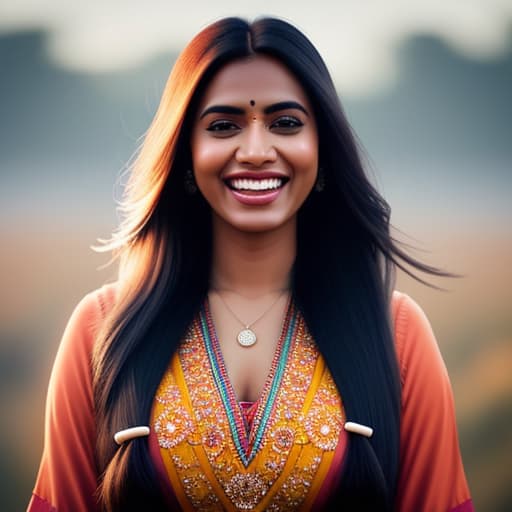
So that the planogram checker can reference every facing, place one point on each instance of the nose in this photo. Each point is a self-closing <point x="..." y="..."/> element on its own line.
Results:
<point x="256" y="147"/>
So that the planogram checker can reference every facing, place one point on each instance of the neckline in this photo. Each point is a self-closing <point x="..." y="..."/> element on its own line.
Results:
<point x="248" y="438"/>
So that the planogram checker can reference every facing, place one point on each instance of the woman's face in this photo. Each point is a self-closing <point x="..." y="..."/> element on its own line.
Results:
<point x="255" y="145"/>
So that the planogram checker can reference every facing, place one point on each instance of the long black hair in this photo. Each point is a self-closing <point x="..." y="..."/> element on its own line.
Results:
<point x="342" y="279"/>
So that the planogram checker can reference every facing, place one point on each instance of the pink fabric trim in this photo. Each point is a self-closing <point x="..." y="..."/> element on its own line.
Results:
<point x="467" y="506"/>
<point x="333" y="475"/>
<point x="154" y="450"/>
<point x="38" y="504"/>
<point x="249" y="410"/>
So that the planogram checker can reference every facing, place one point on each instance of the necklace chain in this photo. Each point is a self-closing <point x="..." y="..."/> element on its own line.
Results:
<point x="248" y="325"/>
<point x="247" y="337"/>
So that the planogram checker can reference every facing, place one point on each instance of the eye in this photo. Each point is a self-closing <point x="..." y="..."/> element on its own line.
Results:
<point x="222" y="127"/>
<point x="286" y="124"/>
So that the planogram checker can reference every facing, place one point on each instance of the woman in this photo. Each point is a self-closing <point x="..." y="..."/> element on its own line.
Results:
<point x="252" y="328"/>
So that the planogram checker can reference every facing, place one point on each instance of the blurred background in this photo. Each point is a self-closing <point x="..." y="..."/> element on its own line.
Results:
<point x="427" y="87"/>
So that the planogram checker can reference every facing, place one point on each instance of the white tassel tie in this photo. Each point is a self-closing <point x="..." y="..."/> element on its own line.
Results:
<point x="357" y="428"/>
<point x="130" y="433"/>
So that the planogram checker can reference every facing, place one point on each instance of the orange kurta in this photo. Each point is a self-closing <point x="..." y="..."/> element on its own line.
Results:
<point x="431" y="475"/>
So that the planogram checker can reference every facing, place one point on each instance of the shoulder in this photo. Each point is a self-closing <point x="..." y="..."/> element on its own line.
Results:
<point x="406" y="313"/>
<point x="414" y="337"/>
<point x="95" y="305"/>
<point x="85" y="322"/>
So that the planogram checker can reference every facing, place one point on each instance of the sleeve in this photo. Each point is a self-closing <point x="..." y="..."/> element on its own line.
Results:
<point x="67" y="478"/>
<point x="431" y="477"/>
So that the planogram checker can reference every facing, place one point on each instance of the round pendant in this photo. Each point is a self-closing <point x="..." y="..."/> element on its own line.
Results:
<point x="246" y="338"/>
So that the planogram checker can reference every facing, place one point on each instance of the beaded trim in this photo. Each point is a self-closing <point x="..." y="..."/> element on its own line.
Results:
<point x="248" y="440"/>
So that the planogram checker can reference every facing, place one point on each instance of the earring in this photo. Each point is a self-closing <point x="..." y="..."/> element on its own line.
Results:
<point x="320" y="180"/>
<point x="189" y="182"/>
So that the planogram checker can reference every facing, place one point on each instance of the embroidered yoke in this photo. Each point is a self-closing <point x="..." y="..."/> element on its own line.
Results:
<point x="218" y="460"/>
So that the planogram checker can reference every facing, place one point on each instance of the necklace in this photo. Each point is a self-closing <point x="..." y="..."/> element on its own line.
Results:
<point x="246" y="336"/>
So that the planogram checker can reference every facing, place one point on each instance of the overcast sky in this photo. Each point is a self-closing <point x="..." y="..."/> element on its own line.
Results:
<point x="358" y="38"/>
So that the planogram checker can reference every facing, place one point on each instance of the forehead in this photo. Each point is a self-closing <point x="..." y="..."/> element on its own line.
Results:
<point x="261" y="78"/>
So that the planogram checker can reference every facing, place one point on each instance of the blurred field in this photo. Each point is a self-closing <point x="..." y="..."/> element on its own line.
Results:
<point x="46" y="273"/>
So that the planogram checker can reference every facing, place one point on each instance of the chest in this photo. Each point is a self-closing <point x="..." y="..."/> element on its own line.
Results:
<point x="247" y="367"/>
<point x="215" y="458"/>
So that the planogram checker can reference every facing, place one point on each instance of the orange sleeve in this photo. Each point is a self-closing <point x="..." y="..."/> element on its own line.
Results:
<point x="67" y="477"/>
<point x="431" y="477"/>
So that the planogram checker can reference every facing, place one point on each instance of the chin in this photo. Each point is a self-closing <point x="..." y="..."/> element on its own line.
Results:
<point x="255" y="223"/>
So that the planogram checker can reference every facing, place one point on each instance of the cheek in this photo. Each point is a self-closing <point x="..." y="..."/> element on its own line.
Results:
<point x="208" y="157"/>
<point x="304" y="155"/>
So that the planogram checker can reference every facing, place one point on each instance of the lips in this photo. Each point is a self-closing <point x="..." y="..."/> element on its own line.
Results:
<point x="242" y="184"/>
<point x="254" y="190"/>
<point x="260" y="183"/>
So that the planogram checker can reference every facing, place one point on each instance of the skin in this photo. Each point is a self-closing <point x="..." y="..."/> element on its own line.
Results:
<point x="254" y="246"/>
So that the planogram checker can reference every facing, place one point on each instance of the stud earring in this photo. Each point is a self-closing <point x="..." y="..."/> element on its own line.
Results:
<point x="189" y="182"/>
<point x="320" y="180"/>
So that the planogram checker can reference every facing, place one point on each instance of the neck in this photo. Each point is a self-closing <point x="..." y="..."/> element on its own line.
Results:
<point x="252" y="264"/>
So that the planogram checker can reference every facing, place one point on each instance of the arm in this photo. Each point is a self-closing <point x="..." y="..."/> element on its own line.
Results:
<point x="67" y="478"/>
<point x="431" y="475"/>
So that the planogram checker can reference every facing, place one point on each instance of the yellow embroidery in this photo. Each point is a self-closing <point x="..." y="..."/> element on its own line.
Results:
<point x="196" y="440"/>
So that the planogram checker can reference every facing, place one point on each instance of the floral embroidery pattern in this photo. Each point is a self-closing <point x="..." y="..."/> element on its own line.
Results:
<point x="219" y="466"/>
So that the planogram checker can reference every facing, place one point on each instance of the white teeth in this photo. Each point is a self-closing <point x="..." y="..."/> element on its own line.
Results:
<point x="251" y="184"/>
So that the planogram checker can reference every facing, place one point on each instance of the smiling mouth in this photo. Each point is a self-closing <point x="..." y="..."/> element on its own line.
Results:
<point x="256" y="185"/>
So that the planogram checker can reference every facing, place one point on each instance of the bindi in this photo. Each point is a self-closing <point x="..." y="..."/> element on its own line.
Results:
<point x="252" y="103"/>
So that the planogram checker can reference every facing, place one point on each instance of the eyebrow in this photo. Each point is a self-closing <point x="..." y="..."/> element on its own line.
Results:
<point x="276" y="107"/>
<point x="284" y="105"/>
<point x="222" y="109"/>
